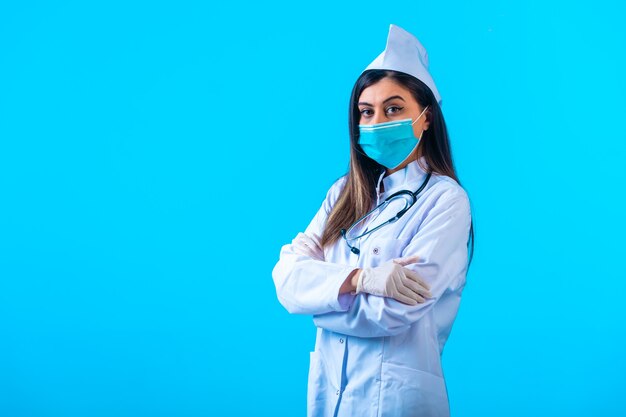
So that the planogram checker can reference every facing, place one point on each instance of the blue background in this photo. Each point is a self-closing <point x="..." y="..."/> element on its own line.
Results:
<point x="154" y="156"/>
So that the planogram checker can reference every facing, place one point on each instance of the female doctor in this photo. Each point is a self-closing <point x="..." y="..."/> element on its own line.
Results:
<point x="382" y="265"/>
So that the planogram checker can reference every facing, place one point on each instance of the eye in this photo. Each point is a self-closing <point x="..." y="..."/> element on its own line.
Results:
<point x="365" y="112"/>
<point x="393" y="109"/>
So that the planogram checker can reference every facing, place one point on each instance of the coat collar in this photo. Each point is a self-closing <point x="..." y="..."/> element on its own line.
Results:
<point x="408" y="177"/>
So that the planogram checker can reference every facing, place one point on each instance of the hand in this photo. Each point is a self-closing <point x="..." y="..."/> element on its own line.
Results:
<point x="308" y="246"/>
<point x="392" y="279"/>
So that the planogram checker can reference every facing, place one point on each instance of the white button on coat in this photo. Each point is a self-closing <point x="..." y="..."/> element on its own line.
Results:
<point x="390" y="361"/>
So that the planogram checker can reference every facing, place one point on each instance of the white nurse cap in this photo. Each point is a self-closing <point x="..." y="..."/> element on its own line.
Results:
<point x="406" y="54"/>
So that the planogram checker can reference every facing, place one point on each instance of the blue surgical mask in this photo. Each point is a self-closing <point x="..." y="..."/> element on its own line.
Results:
<point x="389" y="143"/>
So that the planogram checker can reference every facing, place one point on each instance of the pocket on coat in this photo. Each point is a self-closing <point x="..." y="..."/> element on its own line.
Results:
<point x="316" y="385"/>
<point x="381" y="250"/>
<point x="408" y="392"/>
<point x="320" y="400"/>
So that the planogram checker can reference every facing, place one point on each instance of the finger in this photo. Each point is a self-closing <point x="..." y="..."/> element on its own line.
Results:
<point x="317" y="239"/>
<point x="314" y="246"/>
<point x="302" y="249"/>
<point x="408" y="292"/>
<point x="416" y="287"/>
<point x="298" y="244"/>
<point x="404" y="299"/>
<point x="404" y="286"/>
<point x="308" y="239"/>
<point x="310" y="242"/>
<point x="297" y="239"/>
<point x="303" y="240"/>
<point x="407" y="260"/>
<point x="415" y="277"/>
<point x="315" y="249"/>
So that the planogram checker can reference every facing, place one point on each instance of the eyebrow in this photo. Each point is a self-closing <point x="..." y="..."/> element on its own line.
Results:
<point x="386" y="100"/>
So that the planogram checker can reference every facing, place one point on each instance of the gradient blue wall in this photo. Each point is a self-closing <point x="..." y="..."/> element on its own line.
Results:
<point x="154" y="156"/>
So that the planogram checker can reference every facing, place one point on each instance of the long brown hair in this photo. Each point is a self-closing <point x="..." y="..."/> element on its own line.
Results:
<point x="359" y="192"/>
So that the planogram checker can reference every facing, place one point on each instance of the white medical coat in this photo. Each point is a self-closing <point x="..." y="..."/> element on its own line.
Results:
<point x="375" y="356"/>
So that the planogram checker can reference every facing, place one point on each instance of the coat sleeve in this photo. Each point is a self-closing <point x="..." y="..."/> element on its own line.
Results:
<point x="441" y="244"/>
<point x="309" y="286"/>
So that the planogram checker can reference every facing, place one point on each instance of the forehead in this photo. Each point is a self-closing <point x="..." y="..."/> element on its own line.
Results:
<point x="383" y="89"/>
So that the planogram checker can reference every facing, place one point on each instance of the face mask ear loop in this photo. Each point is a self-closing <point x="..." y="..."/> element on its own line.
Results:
<point x="418" y="117"/>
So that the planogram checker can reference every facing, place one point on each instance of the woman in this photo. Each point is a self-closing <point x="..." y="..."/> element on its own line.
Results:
<point x="384" y="287"/>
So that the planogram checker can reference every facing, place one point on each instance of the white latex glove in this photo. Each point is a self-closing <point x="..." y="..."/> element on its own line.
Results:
<point x="307" y="246"/>
<point x="392" y="279"/>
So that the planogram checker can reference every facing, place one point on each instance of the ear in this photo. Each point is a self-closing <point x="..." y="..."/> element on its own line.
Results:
<point x="427" y="117"/>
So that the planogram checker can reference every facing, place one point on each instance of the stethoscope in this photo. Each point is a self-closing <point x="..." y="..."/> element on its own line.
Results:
<point x="404" y="194"/>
